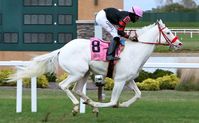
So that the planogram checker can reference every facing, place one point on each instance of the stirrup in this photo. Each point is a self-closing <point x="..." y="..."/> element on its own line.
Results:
<point x="111" y="58"/>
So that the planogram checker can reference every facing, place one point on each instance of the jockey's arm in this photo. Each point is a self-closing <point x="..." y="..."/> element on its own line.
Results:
<point x="121" y="28"/>
<point x="125" y="35"/>
<point x="122" y="25"/>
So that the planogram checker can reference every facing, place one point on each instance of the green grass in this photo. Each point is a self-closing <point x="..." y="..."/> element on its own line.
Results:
<point x="189" y="44"/>
<point x="53" y="105"/>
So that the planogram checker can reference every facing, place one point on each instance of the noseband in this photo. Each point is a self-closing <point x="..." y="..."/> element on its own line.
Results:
<point x="169" y="42"/>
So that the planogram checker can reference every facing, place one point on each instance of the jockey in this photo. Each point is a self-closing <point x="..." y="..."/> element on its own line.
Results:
<point x="114" y="21"/>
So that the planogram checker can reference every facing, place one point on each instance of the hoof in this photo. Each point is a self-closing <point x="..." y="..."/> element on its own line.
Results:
<point x="75" y="110"/>
<point x="116" y="106"/>
<point x="97" y="114"/>
<point x="86" y="102"/>
<point x="96" y="111"/>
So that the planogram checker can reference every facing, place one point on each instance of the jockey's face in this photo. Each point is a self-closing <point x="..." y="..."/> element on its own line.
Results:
<point x="136" y="18"/>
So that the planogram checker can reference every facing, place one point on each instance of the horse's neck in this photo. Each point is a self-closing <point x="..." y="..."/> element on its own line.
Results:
<point x="149" y="36"/>
<point x="139" y="52"/>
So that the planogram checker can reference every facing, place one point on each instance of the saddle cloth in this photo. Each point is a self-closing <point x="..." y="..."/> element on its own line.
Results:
<point x="99" y="49"/>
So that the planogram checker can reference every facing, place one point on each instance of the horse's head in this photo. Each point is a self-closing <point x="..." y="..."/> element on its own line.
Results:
<point x="167" y="37"/>
<point x="164" y="35"/>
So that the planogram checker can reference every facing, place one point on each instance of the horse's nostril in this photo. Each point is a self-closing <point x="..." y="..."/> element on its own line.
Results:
<point x="180" y="44"/>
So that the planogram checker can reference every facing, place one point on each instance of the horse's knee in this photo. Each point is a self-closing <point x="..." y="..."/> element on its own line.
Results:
<point x="61" y="86"/>
<point x="139" y="94"/>
<point x="78" y="92"/>
<point x="64" y="86"/>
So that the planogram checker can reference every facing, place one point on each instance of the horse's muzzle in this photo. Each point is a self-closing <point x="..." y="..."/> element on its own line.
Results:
<point x="178" y="46"/>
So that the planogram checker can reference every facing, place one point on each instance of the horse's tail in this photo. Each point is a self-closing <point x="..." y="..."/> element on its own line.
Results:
<point x="38" y="66"/>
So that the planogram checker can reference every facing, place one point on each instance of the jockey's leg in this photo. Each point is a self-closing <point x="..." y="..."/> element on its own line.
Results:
<point x="117" y="90"/>
<point x="112" y="48"/>
<point x="132" y="85"/>
<point x="102" y="20"/>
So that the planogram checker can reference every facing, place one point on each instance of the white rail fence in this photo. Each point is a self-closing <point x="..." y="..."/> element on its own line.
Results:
<point x="82" y="106"/>
<point x="19" y="88"/>
<point x="186" y="31"/>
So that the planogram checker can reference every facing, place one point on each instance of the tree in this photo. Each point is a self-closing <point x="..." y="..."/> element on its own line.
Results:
<point x="189" y="3"/>
<point x="169" y="8"/>
<point x="177" y="7"/>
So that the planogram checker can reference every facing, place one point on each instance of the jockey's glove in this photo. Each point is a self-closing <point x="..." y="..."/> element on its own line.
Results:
<point x="134" y="38"/>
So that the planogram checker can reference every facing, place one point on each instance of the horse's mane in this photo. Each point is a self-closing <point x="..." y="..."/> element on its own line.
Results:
<point x="143" y="29"/>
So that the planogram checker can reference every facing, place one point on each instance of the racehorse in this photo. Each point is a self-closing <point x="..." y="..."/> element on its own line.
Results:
<point x="75" y="59"/>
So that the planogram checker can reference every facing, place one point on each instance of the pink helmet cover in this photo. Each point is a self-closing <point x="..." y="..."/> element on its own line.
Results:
<point x="136" y="10"/>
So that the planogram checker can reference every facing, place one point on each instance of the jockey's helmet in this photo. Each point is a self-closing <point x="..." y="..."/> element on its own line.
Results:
<point x="136" y="10"/>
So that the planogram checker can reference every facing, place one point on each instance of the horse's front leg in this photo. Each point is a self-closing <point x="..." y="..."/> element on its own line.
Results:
<point x="132" y="85"/>
<point x="65" y="84"/>
<point x="117" y="89"/>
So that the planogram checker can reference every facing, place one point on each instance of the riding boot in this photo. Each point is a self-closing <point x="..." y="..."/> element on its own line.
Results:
<point x="112" y="48"/>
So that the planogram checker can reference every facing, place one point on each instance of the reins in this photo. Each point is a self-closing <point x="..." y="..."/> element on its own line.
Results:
<point x="169" y="42"/>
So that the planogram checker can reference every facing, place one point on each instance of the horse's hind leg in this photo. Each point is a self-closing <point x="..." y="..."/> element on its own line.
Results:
<point x="78" y="89"/>
<point x="65" y="84"/>
<point x="132" y="85"/>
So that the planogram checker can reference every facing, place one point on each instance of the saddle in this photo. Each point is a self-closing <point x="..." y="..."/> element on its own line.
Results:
<point x="99" y="49"/>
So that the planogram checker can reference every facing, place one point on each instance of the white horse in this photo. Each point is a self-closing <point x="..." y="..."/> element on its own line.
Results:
<point x="75" y="59"/>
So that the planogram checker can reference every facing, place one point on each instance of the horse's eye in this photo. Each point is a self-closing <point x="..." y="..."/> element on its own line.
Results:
<point x="168" y="33"/>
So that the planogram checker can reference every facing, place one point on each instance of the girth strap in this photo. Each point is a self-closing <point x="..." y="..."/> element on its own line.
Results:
<point x="111" y="66"/>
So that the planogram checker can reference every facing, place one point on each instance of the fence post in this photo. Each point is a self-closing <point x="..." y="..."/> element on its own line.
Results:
<point x="98" y="30"/>
<point x="191" y="34"/>
<point x="19" y="96"/>
<point x="33" y="94"/>
<point x="83" y="106"/>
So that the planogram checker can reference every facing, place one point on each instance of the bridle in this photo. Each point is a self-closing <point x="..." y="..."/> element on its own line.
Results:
<point x="169" y="42"/>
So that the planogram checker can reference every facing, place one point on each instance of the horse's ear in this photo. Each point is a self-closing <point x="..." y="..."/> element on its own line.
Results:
<point x="157" y="22"/>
